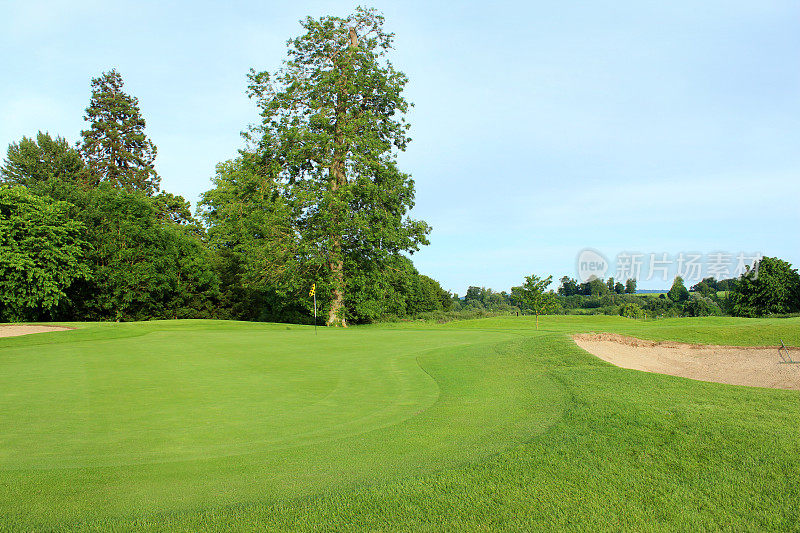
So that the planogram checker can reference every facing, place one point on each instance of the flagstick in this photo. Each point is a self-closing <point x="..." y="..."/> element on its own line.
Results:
<point x="315" y="312"/>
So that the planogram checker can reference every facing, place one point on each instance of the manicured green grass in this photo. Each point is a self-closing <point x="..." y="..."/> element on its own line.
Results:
<point x="484" y="424"/>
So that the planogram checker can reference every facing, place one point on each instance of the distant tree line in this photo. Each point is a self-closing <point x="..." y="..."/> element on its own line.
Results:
<point x="771" y="288"/>
<point x="596" y="287"/>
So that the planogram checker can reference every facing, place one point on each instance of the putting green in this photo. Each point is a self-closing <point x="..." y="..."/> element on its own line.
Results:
<point x="149" y="417"/>
<point x="487" y="424"/>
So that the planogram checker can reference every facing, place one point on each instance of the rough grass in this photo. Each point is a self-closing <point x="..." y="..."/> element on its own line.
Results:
<point x="484" y="424"/>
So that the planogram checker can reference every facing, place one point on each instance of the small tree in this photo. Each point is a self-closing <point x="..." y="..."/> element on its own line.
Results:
<point x="597" y="287"/>
<point x="630" y="286"/>
<point x="678" y="293"/>
<point x="532" y="295"/>
<point x="569" y="286"/>
<point x="610" y="284"/>
<point x="115" y="146"/>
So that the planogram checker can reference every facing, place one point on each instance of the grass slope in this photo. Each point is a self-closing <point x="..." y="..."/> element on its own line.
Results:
<point x="469" y="425"/>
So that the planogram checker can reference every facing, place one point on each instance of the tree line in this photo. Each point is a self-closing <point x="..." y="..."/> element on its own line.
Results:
<point x="314" y="196"/>
<point x="771" y="288"/>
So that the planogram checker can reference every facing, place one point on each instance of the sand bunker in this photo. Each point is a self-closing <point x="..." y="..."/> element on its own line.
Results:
<point x="758" y="366"/>
<point x="21" y="329"/>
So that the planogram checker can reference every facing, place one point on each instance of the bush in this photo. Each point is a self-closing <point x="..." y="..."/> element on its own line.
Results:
<point x="631" y="310"/>
<point x="442" y="317"/>
<point x="701" y="306"/>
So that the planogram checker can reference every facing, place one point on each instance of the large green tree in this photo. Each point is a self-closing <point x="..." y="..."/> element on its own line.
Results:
<point x="42" y="252"/>
<point x="772" y="287"/>
<point x="143" y="267"/>
<point x="264" y="271"/>
<point x="332" y="122"/>
<point x="115" y="146"/>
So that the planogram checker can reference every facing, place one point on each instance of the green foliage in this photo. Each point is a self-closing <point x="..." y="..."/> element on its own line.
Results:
<point x="594" y="287"/>
<point x="699" y="305"/>
<point x="175" y="209"/>
<point x="266" y="267"/>
<point x="40" y="164"/>
<point x="143" y="268"/>
<point x="140" y="257"/>
<point x="678" y="293"/>
<point x="531" y="295"/>
<point x="395" y="289"/>
<point x="42" y="252"/>
<point x="630" y="286"/>
<point x="331" y="126"/>
<point x="263" y="262"/>
<point x="707" y="287"/>
<point x="772" y="287"/>
<point x="115" y="146"/>
<point x="568" y="287"/>
<point x="631" y="310"/>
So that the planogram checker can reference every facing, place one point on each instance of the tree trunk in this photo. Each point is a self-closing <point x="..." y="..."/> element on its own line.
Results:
<point x="336" y="262"/>
<point x="336" y="314"/>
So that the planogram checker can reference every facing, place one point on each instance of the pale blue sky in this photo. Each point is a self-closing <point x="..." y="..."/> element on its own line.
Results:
<point x="540" y="128"/>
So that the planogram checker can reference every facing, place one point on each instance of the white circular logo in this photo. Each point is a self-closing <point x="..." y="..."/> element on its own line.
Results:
<point x="591" y="264"/>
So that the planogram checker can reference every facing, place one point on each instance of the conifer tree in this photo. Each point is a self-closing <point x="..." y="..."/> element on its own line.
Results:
<point x="115" y="146"/>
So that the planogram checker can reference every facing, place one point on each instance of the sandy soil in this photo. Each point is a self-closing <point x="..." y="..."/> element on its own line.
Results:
<point x="758" y="366"/>
<point x="14" y="330"/>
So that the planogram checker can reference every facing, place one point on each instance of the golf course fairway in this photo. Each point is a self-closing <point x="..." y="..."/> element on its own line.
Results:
<point x="480" y="424"/>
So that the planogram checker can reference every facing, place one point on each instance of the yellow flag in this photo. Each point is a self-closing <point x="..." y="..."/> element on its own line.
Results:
<point x="313" y="289"/>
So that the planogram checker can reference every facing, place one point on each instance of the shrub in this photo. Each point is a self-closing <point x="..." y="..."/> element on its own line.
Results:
<point x="631" y="310"/>
<point x="701" y="306"/>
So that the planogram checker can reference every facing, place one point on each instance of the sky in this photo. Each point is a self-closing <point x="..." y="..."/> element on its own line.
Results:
<point x="540" y="129"/>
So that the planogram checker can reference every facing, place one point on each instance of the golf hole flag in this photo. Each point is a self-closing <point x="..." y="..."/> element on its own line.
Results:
<point x="313" y="292"/>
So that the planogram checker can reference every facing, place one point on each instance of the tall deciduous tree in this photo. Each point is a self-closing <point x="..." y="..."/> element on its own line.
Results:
<point x="332" y="124"/>
<point x="115" y="145"/>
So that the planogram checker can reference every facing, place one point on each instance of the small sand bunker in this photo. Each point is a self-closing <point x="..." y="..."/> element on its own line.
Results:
<point x="758" y="366"/>
<point x="16" y="330"/>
